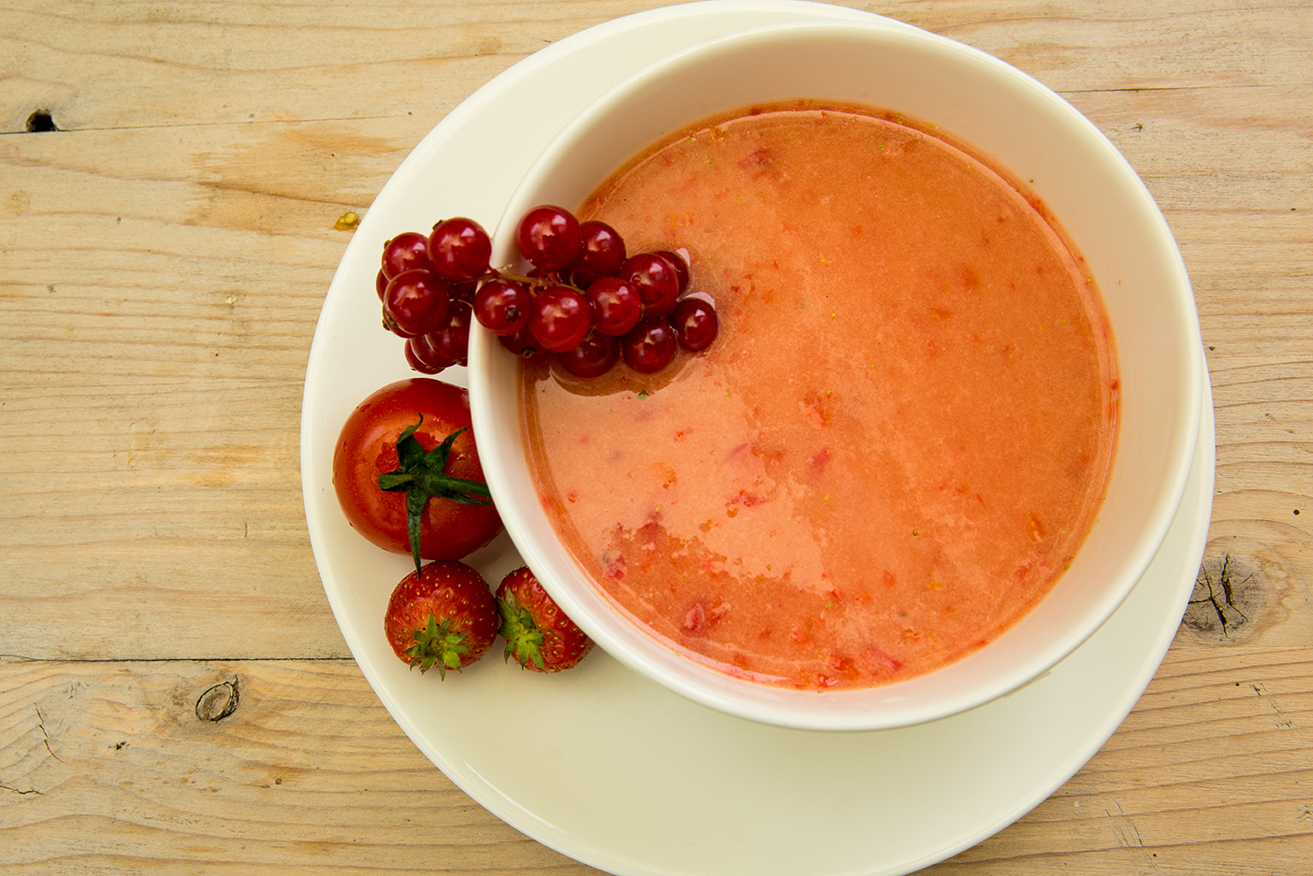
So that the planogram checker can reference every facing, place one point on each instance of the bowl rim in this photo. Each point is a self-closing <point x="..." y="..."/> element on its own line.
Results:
<point x="765" y="703"/>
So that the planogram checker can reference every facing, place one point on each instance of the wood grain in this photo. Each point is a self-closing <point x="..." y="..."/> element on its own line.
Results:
<point x="109" y="769"/>
<point x="163" y="258"/>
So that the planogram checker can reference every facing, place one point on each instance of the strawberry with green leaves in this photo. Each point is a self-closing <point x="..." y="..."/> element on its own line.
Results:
<point x="442" y="615"/>
<point x="538" y="634"/>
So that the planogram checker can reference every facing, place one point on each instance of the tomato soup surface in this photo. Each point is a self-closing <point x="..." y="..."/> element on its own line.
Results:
<point x="901" y="435"/>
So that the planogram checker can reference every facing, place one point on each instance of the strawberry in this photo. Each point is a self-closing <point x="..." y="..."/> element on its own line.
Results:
<point x="538" y="634"/>
<point x="442" y="615"/>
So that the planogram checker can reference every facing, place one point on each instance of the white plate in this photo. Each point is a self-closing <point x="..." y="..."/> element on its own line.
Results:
<point x="599" y="763"/>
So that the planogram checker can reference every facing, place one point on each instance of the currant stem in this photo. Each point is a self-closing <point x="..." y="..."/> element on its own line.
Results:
<point x="535" y="283"/>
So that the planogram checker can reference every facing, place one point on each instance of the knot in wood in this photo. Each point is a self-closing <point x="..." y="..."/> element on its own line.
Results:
<point x="1241" y="585"/>
<point x="218" y="702"/>
<point x="41" y="121"/>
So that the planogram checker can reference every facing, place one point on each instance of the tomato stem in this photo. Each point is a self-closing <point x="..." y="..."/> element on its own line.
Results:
<point x="421" y="477"/>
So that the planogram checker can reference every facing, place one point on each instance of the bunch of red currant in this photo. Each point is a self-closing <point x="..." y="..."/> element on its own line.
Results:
<point x="585" y="299"/>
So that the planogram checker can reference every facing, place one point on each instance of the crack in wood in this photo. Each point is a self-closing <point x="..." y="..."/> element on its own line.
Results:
<point x="45" y="737"/>
<point x="26" y="658"/>
<point x="1228" y="592"/>
<point x="20" y="791"/>
<point x="1159" y="89"/>
<point x="1132" y="840"/>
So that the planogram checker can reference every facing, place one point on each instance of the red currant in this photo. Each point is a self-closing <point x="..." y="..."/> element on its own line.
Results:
<point x="521" y="343"/>
<point x="459" y="249"/>
<point x="502" y="306"/>
<point x="415" y="303"/>
<point x="695" y="323"/>
<point x="615" y="304"/>
<point x="463" y="290"/>
<point x="655" y="278"/>
<point x="451" y="339"/>
<point x="649" y="346"/>
<point x="559" y="318"/>
<point x="549" y="237"/>
<point x="680" y="266"/>
<point x="593" y="357"/>
<point x="423" y="358"/>
<point x="602" y="252"/>
<point x="407" y="251"/>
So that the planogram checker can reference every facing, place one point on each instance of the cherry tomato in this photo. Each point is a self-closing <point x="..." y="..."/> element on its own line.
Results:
<point x="367" y="448"/>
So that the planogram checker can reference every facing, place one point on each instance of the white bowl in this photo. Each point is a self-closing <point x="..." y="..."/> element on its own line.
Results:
<point x="1084" y="181"/>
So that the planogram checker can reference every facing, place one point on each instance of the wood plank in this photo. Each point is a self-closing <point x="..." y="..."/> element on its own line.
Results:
<point x="169" y="467"/>
<point x="235" y="63"/>
<point x="231" y="63"/>
<point x="309" y="771"/>
<point x="107" y="768"/>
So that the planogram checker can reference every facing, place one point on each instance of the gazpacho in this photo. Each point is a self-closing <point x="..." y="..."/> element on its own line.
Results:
<point x="899" y="439"/>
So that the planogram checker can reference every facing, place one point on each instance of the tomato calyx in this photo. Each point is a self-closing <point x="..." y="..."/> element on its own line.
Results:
<point x="421" y="477"/>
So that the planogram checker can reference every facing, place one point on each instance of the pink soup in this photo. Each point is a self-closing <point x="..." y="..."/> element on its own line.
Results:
<point x="901" y="436"/>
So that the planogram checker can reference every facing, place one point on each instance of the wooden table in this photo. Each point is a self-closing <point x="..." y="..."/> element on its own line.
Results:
<point x="175" y="696"/>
